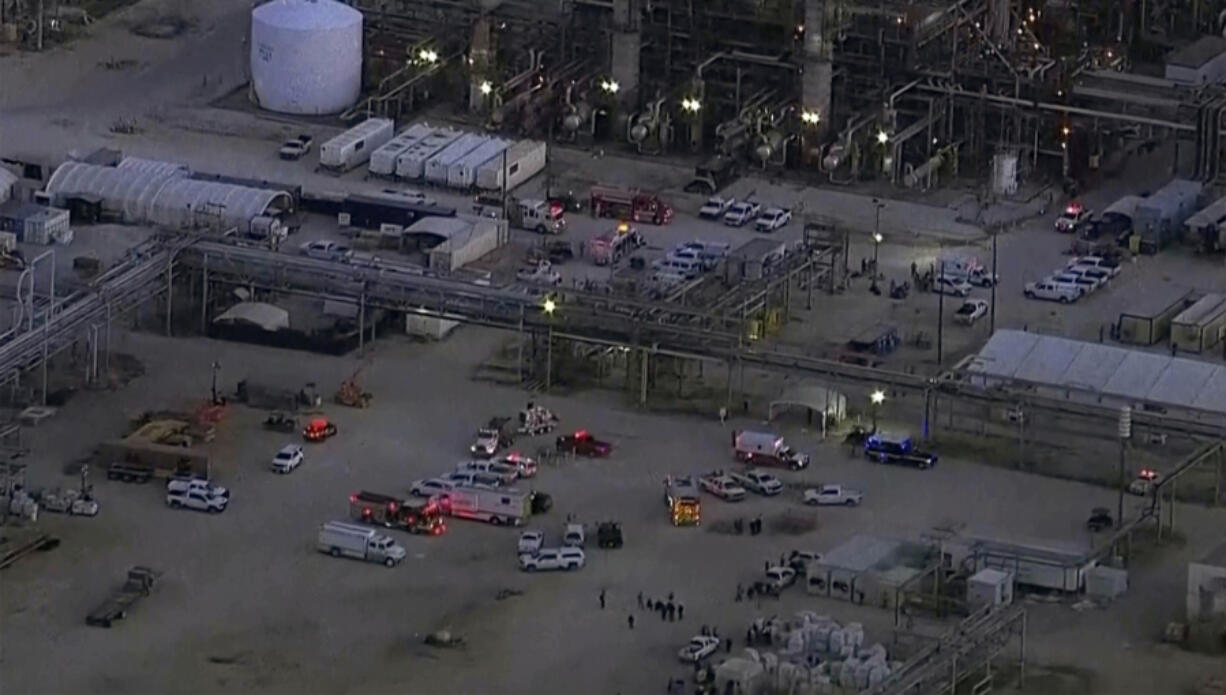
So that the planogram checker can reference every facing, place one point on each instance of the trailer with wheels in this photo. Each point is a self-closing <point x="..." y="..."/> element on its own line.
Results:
<point x="138" y="585"/>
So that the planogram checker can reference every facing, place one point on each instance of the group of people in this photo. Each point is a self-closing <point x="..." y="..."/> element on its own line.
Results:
<point x="755" y="526"/>
<point x="670" y="610"/>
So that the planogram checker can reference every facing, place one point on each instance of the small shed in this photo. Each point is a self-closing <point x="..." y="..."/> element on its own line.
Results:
<point x="35" y="224"/>
<point x="1149" y="322"/>
<point x="1207" y="586"/>
<point x="989" y="587"/>
<point x="462" y="239"/>
<point x="1201" y="62"/>
<point x="1200" y="327"/>
<point x="1159" y="218"/>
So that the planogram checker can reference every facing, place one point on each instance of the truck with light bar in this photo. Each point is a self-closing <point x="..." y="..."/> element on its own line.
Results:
<point x="766" y="449"/>
<point x="681" y="496"/>
<point x="498" y="506"/>
<point x="415" y="516"/>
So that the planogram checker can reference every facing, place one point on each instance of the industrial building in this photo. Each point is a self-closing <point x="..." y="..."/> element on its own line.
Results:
<point x="869" y="570"/>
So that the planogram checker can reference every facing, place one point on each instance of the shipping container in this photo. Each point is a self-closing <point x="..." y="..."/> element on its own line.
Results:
<point x="754" y="259"/>
<point x="463" y="174"/>
<point x="1159" y="218"/>
<point x="35" y="224"/>
<point x="525" y="159"/>
<point x="1150" y="322"/>
<point x="383" y="160"/>
<point x="353" y="147"/>
<point x="411" y="164"/>
<point x="1200" y="327"/>
<point x="438" y="166"/>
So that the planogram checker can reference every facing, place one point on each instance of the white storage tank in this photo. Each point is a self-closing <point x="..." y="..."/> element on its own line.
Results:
<point x="306" y="56"/>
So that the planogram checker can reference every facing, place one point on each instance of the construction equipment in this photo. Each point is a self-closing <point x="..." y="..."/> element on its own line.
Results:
<point x="535" y="419"/>
<point x="350" y="392"/>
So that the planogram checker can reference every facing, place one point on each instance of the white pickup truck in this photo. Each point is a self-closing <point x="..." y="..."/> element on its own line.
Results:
<point x="198" y="500"/>
<point x="722" y="486"/>
<point x="1052" y="291"/>
<point x="542" y="273"/>
<point x="758" y="481"/>
<point x="833" y="495"/>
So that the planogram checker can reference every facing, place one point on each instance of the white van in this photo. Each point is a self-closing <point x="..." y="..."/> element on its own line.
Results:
<point x="506" y="473"/>
<point x="689" y="267"/>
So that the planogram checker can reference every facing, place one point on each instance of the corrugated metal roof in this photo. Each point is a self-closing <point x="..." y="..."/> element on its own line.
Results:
<point x="446" y="227"/>
<point x="1102" y="370"/>
<point x="266" y="316"/>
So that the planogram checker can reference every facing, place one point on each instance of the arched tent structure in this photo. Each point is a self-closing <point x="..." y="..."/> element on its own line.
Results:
<point x="265" y="316"/>
<point x="813" y="398"/>
<point x="437" y="230"/>
<point x="144" y="191"/>
<point x="7" y="180"/>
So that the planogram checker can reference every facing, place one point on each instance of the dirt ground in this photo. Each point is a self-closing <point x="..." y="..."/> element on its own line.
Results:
<point x="247" y="605"/>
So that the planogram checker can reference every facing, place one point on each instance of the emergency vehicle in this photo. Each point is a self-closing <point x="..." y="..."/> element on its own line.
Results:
<point x="500" y="506"/>
<point x="766" y="449"/>
<point x="540" y="216"/>
<point x="681" y="496"/>
<point x="632" y="205"/>
<point x="415" y="516"/>
<point x="611" y="246"/>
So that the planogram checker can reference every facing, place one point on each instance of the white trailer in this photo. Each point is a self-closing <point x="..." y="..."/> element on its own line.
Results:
<point x="497" y="506"/>
<point x="463" y="174"/>
<point x="383" y="160"/>
<point x="439" y="165"/>
<point x="353" y="147"/>
<point x="525" y="159"/>
<point x="411" y="164"/>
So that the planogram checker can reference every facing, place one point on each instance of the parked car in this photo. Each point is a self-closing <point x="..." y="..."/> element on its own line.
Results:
<point x="1144" y="483"/>
<point x="582" y="443"/>
<point x="1086" y="285"/>
<point x="474" y="479"/>
<point x="506" y="473"/>
<point x="799" y="560"/>
<point x="780" y="577"/>
<point x="196" y="485"/>
<point x="431" y="487"/>
<point x="1101" y="275"/>
<point x="1052" y="291"/>
<point x="699" y="648"/>
<point x="326" y="250"/>
<point x="741" y="213"/>
<point x="715" y="207"/>
<point x="553" y="559"/>
<point x="530" y="542"/>
<point x="951" y="285"/>
<point x="575" y="536"/>
<point x="722" y="486"/>
<point x="772" y="219"/>
<point x="526" y="466"/>
<point x="296" y="148"/>
<point x="833" y="495"/>
<point x="971" y="311"/>
<point x="287" y="459"/>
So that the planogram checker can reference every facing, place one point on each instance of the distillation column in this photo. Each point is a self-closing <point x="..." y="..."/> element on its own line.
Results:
<point x="626" y="49"/>
<point x="818" y="66"/>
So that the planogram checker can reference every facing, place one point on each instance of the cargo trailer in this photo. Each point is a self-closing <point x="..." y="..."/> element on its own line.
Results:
<point x="524" y="160"/>
<point x="383" y="160"/>
<point x="1200" y="327"/>
<point x="1159" y="218"/>
<point x="411" y="164"/>
<point x="463" y="174"/>
<point x="438" y="166"/>
<point x="1150" y="321"/>
<point x="353" y="147"/>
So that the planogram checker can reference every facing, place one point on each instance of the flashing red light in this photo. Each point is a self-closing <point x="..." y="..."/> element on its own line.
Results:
<point x="581" y="434"/>
<point x="556" y="209"/>
<point x="353" y="498"/>
<point x="1073" y="209"/>
<point x="365" y="511"/>
<point x="391" y="506"/>
<point x="513" y="457"/>
<point x="1147" y="474"/>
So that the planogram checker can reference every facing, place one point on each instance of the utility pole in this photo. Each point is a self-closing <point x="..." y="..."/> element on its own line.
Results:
<point x="992" y="314"/>
<point x="1125" y="433"/>
<point x="941" y="319"/>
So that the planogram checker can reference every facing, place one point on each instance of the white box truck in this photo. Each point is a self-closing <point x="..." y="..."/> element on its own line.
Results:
<point x="341" y="539"/>
<point x="463" y="174"/>
<point x="383" y="160"/>
<point x="438" y="166"/>
<point x="525" y="159"/>
<point x="411" y="164"/>
<point x="501" y="507"/>
<point x="353" y="147"/>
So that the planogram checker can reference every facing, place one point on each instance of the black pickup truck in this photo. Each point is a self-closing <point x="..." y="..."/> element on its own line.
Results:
<point x="887" y="448"/>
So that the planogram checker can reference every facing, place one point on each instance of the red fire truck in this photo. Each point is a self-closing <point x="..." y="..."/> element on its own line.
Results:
<point x="633" y="205"/>
<point x="611" y="246"/>
<point x="415" y="516"/>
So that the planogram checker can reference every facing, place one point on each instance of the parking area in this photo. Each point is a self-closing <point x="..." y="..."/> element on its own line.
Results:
<point x="246" y="603"/>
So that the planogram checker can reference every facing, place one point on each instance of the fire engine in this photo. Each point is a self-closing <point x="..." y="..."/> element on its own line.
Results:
<point x="632" y="205"/>
<point x="612" y="245"/>
<point x="681" y="496"/>
<point x="415" y="516"/>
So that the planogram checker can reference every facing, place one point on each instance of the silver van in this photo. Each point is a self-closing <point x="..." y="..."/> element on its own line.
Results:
<point x="688" y="267"/>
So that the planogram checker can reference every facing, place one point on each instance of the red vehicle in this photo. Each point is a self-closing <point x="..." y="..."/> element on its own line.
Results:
<point x="633" y="205"/>
<point x="415" y="516"/>
<point x="582" y="443"/>
<point x="611" y="246"/>
<point x="318" y="430"/>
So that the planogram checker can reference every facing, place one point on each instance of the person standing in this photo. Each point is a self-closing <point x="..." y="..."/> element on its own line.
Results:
<point x="630" y="620"/>
<point x="602" y="599"/>
<point x="640" y="600"/>
<point x="680" y="611"/>
<point x="723" y="414"/>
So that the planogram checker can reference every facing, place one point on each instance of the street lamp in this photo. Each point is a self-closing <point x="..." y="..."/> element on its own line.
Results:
<point x="610" y="86"/>
<point x="691" y="105"/>
<point x="876" y="398"/>
<point x="877" y="238"/>
<point x="810" y="117"/>
<point x="486" y="88"/>
<point x="883" y="137"/>
<point x="549" y="306"/>
<point x="427" y="56"/>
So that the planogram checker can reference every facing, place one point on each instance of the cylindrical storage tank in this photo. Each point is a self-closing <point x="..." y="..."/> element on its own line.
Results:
<point x="306" y="56"/>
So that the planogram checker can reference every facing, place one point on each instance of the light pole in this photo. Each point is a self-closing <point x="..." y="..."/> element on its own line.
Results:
<point x="549" y="306"/>
<point x="877" y="238"/>
<point x="216" y="369"/>
<point x="876" y="398"/>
